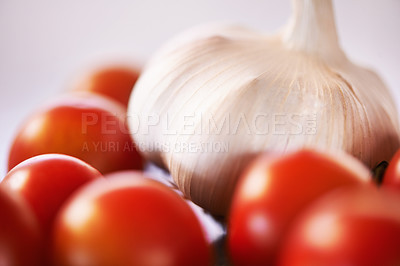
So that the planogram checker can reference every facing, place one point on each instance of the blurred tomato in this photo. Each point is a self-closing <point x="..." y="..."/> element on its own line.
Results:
<point x="113" y="81"/>
<point x="87" y="126"/>
<point x="165" y="179"/>
<point x="357" y="226"/>
<point x="46" y="181"/>
<point x="392" y="174"/>
<point x="213" y="229"/>
<point x="20" y="238"/>
<point x="273" y="191"/>
<point x="129" y="221"/>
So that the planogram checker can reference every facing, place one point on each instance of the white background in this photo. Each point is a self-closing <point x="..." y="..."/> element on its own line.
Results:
<point x="44" y="44"/>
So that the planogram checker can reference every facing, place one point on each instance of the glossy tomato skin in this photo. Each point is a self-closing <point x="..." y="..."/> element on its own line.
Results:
<point x="112" y="81"/>
<point x="46" y="181"/>
<point x="128" y="221"/>
<point x="273" y="191"/>
<point x="87" y="126"/>
<point x="351" y="226"/>
<point x="392" y="175"/>
<point x="213" y="229"/>
<point x="20" y="237"/>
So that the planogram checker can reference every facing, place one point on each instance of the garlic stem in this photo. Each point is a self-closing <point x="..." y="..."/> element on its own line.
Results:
<point x="312" y="30"/>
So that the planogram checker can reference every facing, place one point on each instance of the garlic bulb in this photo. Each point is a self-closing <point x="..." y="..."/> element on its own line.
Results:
<point x="212" y="99"/>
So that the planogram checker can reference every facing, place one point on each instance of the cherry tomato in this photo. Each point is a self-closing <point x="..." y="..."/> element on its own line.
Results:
<point x="162" y="178"/>
<point x="392" y="174"/>
<point x="213" y="229"/>
<point x="113" y="81"/>
<point x="273" y="191"/>
<point x="20" y="238"/>
<point x="129" y="221"/>
<point x="86" y="126"/>
<point x="352" y="226"/>
<point x="46" y="181"/>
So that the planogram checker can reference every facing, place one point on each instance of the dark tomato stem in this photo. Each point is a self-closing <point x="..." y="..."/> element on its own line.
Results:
<point x="379" y="171"/>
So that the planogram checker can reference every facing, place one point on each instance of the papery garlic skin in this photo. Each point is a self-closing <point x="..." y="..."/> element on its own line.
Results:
<point x="292" y="90"/>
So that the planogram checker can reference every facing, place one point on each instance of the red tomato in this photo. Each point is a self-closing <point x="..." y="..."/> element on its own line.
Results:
<point x="273" y="191"/>
<point x="46" y="181"/>
<point x="86" y="126"/>
<point x="129" y="221"/>
<point x="20" y="238"/>
<point x="357" y="226"/>
<point x="113" y="81"/>
<point x="164" y="179"/>
<point x="213" y="229"/>
<point x="392" y="174"/>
